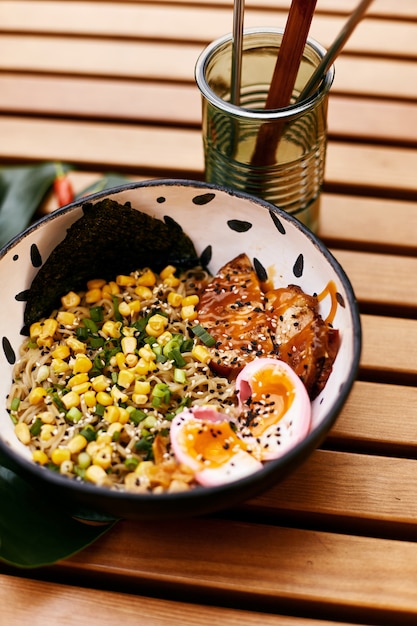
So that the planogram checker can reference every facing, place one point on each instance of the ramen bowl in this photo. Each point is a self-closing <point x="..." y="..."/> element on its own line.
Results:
<point x="221" y="224"/>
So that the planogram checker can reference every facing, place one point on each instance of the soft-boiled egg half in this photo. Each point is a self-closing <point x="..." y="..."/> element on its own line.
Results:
<point x="274" y="415"/>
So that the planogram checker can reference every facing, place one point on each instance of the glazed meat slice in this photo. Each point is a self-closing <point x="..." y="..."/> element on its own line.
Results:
<point x="302" y="338"/>
<point x="232" y="309"/>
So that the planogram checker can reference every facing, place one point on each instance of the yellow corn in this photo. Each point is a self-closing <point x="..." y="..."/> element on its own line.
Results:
<point x="71" y="399"/>
<point x="92" y="447"/>
<point x="111" y="413"/>
<point x="169" y="270"/>
<point x="81" y="388"/>
<point x="45" y="342"/>
<point x="140" y="398"/>
<point x="66" y="318"/>
<point x="124" y="309"/>
<point x="77" y="346"/>
<point x="82" y="364"/>
<point x="104" y="398"/>
<point x="90" y="398"/>
<point x="143" y="292"/>
<point x="110" y="289"/>
<point x="61" y="352"/>
<point x="40" y="457"/>
<point x="22" y="432"/>
<point x="102" y="458"/>
<point x="100" y="382"/>
<point x="115" y="427"/>
<point x="125" y="378"/>
<point x="96" y="283"/>
<point x="129" y="344"/>
<point x="37" y="395"/>
<point x="124" y="415"/>
<point x="70" y="300"/>
<point x="66" y="467"/>
<point x="76" y="444"/>
<point x="59" y="455"/>
<point x="59" y="366"/>
<point x="142" y="386"/>
<point x="190" y="300"/>
<point x="188" y="312"/>
<point x="47" y="417"/>
<point x="172" y="281"/>
<point x="78" y="379"/>
<point x="131" y="360"/>
<point x="143" y="367"/>
<point x="49" y="328"/>
<point x="47" y="430"/>
<point x="163" y="339"/>
<point x="93" y="295"/>
<point x="103" y="439"/>
<point x="134" y="306"/>
<point x="125" y="281"/>
<point x="147" y="353"/>
<point x="111" y="329"/>
<point x="156" y="325"/>
<point x="96" y="474"/>
<point x="174" y="299"/>
<point x="118" y="395"/>
<point x="148" y="279"/>
<point x="35" y="330"/>
<point x="200" y="353"/>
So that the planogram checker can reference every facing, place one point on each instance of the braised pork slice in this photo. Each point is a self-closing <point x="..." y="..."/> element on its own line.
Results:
<point x="232" y="309"/>
<point x="300" y="335"/>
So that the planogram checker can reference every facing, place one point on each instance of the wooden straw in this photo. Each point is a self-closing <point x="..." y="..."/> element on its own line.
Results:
<point x="284" y="77"/>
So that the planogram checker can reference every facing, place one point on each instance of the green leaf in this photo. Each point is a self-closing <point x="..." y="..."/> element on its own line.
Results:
<point x="22" y="190"/>
<point x="34" y="532"/>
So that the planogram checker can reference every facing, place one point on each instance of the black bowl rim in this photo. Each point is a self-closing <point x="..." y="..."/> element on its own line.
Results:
<point x="258" y="480"/>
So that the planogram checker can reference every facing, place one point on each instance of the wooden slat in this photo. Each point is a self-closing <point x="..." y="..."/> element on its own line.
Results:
<point x="277" y="566"/>
<point x="199" y="23"/>
<point x="52" y="604"/>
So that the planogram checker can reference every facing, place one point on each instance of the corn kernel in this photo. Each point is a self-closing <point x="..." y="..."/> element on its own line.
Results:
<point x="190" y="300"/>
<point x="109" y="290"/>
<point x="77" y="380"/>
<point x="35" y="330"/>
<point x="81" y="388"/>
<point x="59" y="455"/>
<point x="40" y="457"/>
<point x="172" y="281"/>
<point x="92" y="447"/>
<point x="47" y="430"/>
<point x="148" y="279"/>
<point x="59" y="366"/>
<point x="96" y="283"/>
<point x="188" y="312"/>
<point x="93" y="295"/>
<point x="124" y="309"/>
<point x="76" y="444"/>
<point x="119" y="359"/>
<point x="115" y="427"/>
<point x="125" y="281"/>
<point x="66" y="318"/>
<point x="174" y="299"/>
<point x="49" y="328"/>
<point x="66" y="467"/>
<point x="131" y="360"/>
<point x="104" y="398"/>
<point x="82" y="364"/>
<point x="37" y="395"/>
<point x="156" y="325"/>
<point x="111" y="329"/>
<point x="100" y="382"/>
<point x="71" y="399"/>
<point x="129" y="344"/>
<point x="134" y="306"/>
<point x="111" y="413"/>
<point x="140" y="398"/>
<point x="163" y="339"/>
<point x="77" y="346"/>
<point x="169" y="270"/>
<point x="147" y="353"/>
<point x="22" y="432"/>
<point x="143" y="292"/>
<point x="102" y="458"/>
<point x="47" y="417"/>
<point x="96" y="474"/>
<point x="103" y="439"/>
<point x="200" y="353"/>
<point x="143" y="367"/>
<point x="90" y="398"/>
<point x="118" y="395"/>
<point x="70" y="300"/>
<point x="61" y="352"/>
<point x="124" y="415"/>
<point x="125" y="378"/>
<point x="142" y="386"/>
<point x="45" y="342"/>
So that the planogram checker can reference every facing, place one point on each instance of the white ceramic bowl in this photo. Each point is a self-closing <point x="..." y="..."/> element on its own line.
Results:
<point x="230" y="223"/>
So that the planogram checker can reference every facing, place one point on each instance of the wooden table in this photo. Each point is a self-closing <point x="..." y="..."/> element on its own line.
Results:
<point x="108" y="86"/>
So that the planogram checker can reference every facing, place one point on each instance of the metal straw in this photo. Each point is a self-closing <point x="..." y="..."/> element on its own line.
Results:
<point x="238" y="12"/>
<point x="334" y="50"/>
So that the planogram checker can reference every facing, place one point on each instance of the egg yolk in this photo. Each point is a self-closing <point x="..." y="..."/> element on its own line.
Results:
<point x="272" y="393"/>
<point x="212" y="444"/>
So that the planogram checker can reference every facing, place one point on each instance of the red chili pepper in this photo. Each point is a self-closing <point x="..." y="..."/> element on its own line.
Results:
<point x="62" y="187"/>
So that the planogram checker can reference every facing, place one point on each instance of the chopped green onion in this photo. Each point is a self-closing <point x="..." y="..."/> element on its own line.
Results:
<point x="180" y="376"/>
<point x="74" y="414"/>
<point x="15" y="404"/>
<point x="90" y="325"/>
<point x="89" y="432"/>
<point x="84" y="460"/>
<point x="100" y="410"/>
<point x="204" y="336"/>
<point x="117" y="314"/>
<point x="96" y="313"/>
<point x="176" y="356"/>
<point x="35" y="429"/>
<point x="131" y="463"/>
<point x="82" y="333"/>
<point x="137" y="416"/>
<point x="96" y="342"/>
<point x="187" y="345"/>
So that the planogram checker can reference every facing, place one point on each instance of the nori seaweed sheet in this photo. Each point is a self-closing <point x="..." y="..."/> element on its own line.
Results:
<point x="109" y="239"/>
